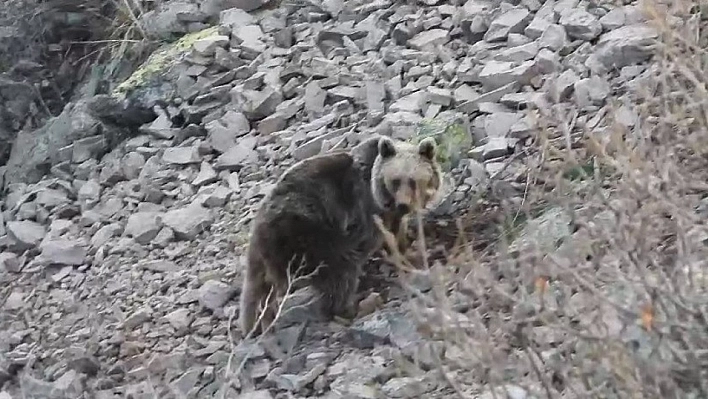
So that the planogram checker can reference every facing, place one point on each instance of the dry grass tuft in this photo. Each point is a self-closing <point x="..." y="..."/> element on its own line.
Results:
<point x="620" y="308"/>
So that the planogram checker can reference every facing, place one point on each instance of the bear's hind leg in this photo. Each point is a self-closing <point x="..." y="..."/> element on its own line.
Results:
<point x="338" y="284"/>
<point x="254" y="296"/>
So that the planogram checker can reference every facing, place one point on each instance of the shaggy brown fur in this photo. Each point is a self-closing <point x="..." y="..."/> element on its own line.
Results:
<point x="321" y="212"/>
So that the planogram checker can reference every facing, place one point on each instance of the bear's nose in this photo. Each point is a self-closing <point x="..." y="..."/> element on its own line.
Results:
<point x="403" y="208"/>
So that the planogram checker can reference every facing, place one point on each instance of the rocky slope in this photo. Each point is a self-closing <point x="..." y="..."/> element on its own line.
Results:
<point x="124" y="223"/>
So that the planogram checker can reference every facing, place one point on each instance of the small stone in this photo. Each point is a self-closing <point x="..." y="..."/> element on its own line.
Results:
<point x="139" y="317"/>
<point x="214" y="294"/>
<point x="236" y="157"/>
<point x="207" y="46"/>
<point x="16" y="300"/>
<point x="580" y="24"/>
<point x="63" y="252"/>
<point x="613" y="20"/>
<point x="143" y="226"/>
<point x="180" y="319"/>
<point x="564" y="85"/>
<point x="439" y="96"/>
<point x="159" y="266"/>
<point x="553" y="38"/>
<point x="90" y="192"/>
<point x="260" y="394"/>
<point x="189" y="221"/>
<point x="26" y="234"/>
<point x="186" y="382"/>
<point x="429" y="39"/>
<point x="181" y="155"/>
<point x="499" y="73"/>
<point x="591" y="91"/>
<point x="512" y="21"/>
<point x="10" y="262"/>
<point x="207" y="175"/>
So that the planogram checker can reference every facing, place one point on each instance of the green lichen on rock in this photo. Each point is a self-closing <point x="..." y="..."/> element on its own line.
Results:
<point x="161" y="60"/>
<point x="451" y="132"/>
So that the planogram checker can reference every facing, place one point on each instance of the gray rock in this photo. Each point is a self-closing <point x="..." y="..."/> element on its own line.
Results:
<point x="207" y="175"/>
<point x="248" y="5"/>
<point x="507" y="392"/>
<point x="497" y="147"/>
<point x="439" y="96"/>
<point x="580" y="24"/>
<point x="496" y="74"/>
<point x="631" y="44"/>
<point x="143" y="226"/>
<point x="235" y="17"/>
<point x="553" y="38"/>
<point x="271" y="124"/>
<point x="180" y="319"/>
<point x="614" y="19"/>
<point x="104" y="234"/>
<point x="543" y="233"/>
<point x="90" y="192"/>
<point x="140" y="316"/>
<point x="63" y="252"/>
<point x="256" y="104"/>
<point x="50" y="198"/>
<point x="131" y="165"/>
<point x="236" y="157"/>
<point x="512" y="21"/>
<point x="407" y="387"/>
<point x="499" y="124"/>
<point x="429" y="39"/>
<point x="32" y="151"/>
<point x="214" y="294"/>
<point x="591" y="91"/>
<point x="564" y="85"/>
<point x="16" y="300"/>
<point x="169" y="18"/>
<point x="547" y="61"/>
<point x="181" y="155"/>
<point x="520" y="53"/>
<point x="87" y="148"/>
<point x="10" y="262"/>
<point x="160" y="128"/>
<point x="260" y="394"/>
<point x="315" y="97"/>
<point x="188" y="222"/>
<point x="26" y="234"/>
<point x="159" y="266"/>
<point x="207" y="46"/>
<point x="536" y="28"/>
<point x="410" y="103"/>
<point x="214" y="196"/>
<point x="224" y="132"/>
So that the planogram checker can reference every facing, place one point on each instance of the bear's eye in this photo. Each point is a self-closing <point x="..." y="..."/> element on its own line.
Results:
<point x="412" y="184"/>
<point x="395" y="183"/>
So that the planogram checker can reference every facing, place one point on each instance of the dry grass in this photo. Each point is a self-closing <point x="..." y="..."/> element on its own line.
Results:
<point x="620" y="309"/>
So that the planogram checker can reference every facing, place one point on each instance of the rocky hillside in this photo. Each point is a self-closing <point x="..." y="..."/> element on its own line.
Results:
<point x="126" y="216"/>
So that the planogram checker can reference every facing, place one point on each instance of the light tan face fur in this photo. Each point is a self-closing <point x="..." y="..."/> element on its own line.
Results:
<point x="410" y="174"/>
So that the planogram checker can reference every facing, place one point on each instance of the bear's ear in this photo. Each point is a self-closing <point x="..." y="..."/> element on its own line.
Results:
<point x="427" y="148"/>
<point x="387" y="148"/>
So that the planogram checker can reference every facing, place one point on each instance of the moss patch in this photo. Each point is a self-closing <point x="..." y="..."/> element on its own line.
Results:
<point x="452" y="136"/>
<point x="161" y="60"/>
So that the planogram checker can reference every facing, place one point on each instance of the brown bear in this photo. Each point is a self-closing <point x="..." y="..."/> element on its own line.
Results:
<point x="321" y="212"/>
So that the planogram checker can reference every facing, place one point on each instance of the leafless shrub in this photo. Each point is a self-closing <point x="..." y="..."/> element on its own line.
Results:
<point x="620" y="308"/>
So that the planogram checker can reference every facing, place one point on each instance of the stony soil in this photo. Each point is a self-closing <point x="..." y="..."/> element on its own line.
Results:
<point x="123" y="234"/>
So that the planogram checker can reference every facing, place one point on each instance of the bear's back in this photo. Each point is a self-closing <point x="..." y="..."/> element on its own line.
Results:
<point x="325" y="196"/>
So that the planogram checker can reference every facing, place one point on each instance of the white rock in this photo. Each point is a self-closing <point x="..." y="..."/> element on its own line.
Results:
<point x="580" y="24"/>
<point x="512" y="21"/>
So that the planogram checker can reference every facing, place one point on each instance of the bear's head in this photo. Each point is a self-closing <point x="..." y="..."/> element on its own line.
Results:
<point x="405" y="177"/>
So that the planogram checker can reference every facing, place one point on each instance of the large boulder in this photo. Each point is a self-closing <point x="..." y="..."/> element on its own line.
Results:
<point x="60" y="139"/>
